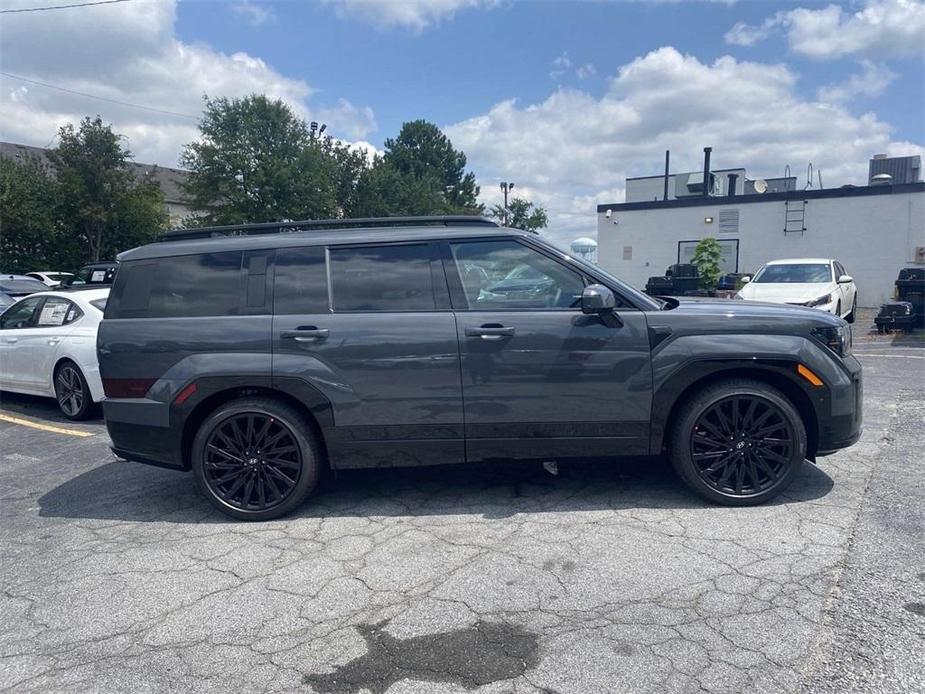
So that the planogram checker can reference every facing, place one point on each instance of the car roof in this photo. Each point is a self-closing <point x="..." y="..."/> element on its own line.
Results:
<point x="321" y="237"/>
<point x="17" y="277"/>
<point x="85" y="295"/>
<point x="800" y="261"/>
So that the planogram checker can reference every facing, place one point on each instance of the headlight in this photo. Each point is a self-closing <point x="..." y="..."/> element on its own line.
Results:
<point x="836" y="339"/>
<point x="821" y="301"/>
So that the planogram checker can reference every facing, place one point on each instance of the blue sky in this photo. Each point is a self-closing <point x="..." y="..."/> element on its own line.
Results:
<point x="564" y="98"/>
<point x="465" y="64"/>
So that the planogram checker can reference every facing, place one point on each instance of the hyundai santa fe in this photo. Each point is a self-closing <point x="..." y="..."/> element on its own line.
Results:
<point x="257" y="355"/>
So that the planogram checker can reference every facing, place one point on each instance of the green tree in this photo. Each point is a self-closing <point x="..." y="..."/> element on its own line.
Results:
<point x="707" y="256"/>
<point x="383" y="191"/>
<point x="521" y="214"/>
<point x="97" y="189"/>
<point x="31" y="234"/>
<point x="256" y="161"/>
<point x="423" y="154"/>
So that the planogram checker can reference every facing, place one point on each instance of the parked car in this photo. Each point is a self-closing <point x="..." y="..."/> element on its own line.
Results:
<point x="48" y="347"/>
<point x="16" y="286"/>
<point x="94" y="273"/>
<point x="814" y="282"/>
<point x="257" y="358"/>
<point x="51" y="279"/>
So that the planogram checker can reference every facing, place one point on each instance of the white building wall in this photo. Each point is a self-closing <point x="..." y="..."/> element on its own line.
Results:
<point x="872" y="236"/>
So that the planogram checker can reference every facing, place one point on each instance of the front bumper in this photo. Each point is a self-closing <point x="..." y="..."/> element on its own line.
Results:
<point x="843" y="426"/>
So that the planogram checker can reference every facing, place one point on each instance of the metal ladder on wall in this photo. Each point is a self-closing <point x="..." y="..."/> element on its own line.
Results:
<point x="795" y="216"/>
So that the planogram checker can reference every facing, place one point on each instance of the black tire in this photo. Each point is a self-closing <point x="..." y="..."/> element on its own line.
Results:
<point x="757" y="466"/>
<point x="245" y="481"/>
<point x="72" y="392"/>
<point x="854" y="307"/>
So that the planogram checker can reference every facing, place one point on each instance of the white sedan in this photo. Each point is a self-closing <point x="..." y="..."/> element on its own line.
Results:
<point x="48" y="347"/>
<point x="816" y="282"/>
<point x="51" y="279"/>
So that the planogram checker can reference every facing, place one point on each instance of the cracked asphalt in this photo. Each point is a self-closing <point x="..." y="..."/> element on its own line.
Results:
<point x="118" y="577"/>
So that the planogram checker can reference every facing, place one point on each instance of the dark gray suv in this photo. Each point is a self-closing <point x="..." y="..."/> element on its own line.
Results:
<point x="255" y="355"/>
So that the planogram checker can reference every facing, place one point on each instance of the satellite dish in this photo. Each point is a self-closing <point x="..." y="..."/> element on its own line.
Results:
<point x="761" y="185"/>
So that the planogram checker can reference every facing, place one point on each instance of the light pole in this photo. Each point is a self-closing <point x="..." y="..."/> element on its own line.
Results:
<point x="506" y="187"/>
<point x="313" y="127"/>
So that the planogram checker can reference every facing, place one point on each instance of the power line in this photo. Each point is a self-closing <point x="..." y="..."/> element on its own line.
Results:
<point x="61" y="7"/>
<point x="99" y="98"/>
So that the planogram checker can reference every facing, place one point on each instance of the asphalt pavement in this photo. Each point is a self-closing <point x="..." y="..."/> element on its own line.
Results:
<point x="118" y="577"/>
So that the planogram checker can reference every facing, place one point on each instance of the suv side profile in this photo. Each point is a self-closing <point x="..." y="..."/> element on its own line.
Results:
<point x="255" y="355"/>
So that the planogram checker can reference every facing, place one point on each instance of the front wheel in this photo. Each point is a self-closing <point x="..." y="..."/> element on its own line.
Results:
<point x="255" y="459"/>
<point x="854" y="307"/>
<point x="738" y="443"/>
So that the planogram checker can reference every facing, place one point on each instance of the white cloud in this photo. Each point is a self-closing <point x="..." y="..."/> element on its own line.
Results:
<point x="585" y="71"/>
<point x="882" y="28"/>
<point x="574" y="149"/>
<point x="563" y="66"/>
<point x="129" y="52"/>
<point x="871" y="81"/>
<point x="255" y="13"/>
<point x="416" y="15"/>
<point x="355" y="122"/>
<point x="743" y="34"/>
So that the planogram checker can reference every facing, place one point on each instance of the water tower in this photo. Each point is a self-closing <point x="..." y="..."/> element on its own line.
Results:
<point x="586" y="248"/>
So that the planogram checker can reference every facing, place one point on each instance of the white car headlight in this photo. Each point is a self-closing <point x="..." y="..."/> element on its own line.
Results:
<point x="821" y="301"/>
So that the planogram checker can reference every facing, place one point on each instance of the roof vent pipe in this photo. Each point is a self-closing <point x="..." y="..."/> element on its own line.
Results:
<point x="667" y="159"/>
<point x="732" y="185"/>
<point x="706" y="170"/>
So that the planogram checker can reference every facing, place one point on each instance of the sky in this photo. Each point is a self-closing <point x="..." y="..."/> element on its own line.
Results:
<point x="563" y="98"/>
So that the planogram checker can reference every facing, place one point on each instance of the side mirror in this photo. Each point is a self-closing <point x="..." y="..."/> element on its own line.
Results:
<point x="596" y="298"/>
<point x="746" y="279"/>
<point x="845" y="279"/>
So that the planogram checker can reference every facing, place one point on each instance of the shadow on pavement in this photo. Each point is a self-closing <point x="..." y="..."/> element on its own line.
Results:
<point x="43" y="409"/>
<point x="133" y="492"/>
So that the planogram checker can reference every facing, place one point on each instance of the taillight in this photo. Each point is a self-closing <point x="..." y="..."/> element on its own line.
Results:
<point x="127" y="387"/>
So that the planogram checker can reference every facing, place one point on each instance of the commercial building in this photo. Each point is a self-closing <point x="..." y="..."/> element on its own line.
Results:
<point x="873" y="230"/>
<point x="168" y="180"/>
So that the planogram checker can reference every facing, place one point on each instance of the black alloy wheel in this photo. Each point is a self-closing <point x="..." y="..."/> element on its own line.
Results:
<point x="742" y="445"/>
<point x="72" y="392"/>
<point x="738" y="442"/>
<point x="255" y="459"/>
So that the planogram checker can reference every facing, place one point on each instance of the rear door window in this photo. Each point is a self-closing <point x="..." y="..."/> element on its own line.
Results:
<point x="57" y="312"/>
<point x="382" y="278"/>
<point x="301" y="281"/>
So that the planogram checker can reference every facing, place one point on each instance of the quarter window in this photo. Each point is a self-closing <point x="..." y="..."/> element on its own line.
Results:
<point x="498" y="275"/>
<point x="382" y="278"/>
<point x="190" y="285"/>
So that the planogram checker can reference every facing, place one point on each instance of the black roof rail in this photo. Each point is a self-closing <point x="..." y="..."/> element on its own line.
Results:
<point x="310" y="224"/>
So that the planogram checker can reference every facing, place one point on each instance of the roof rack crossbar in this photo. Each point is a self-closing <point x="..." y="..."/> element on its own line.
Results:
<point x="311" y="224"/>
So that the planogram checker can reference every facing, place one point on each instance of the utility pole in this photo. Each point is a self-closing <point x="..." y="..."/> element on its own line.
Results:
<point x="313" y="127"/>
<point x="506" y="187"/>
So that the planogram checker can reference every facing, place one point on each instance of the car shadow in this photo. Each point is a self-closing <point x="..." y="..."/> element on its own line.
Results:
<point x="43" y="409"/>
<point x="131" y="492"/>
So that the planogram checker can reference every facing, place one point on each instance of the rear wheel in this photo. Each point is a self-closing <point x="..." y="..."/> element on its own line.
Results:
<point x="72" y="391"/>
<point x="255" y="459"/>
<point x="739" y="442"/>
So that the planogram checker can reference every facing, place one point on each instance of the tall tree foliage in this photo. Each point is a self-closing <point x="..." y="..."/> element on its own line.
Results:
<point x="99" y="190"/>
<point x="521" y="214"/>
<point x="422" y="153"/>
<point x="707" y="256"/>
<point x="257" y="162"/>
<point x="82" y="203"/>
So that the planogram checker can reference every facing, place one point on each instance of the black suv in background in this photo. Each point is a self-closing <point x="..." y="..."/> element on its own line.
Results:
<point x="257" y="354"/>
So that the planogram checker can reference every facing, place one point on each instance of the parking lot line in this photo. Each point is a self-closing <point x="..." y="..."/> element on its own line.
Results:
<point x="44" y="427"/>
<point x="891" y="356"/>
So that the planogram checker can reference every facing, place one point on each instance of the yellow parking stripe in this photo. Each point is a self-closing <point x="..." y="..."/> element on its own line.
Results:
<point x="44" y="427"/>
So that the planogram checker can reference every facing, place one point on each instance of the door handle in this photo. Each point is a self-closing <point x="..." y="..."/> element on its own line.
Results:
<point x="12" y="340"/>
<point x="490" y="332"/>
<point x="306" y="334"/>
<point x="54" y="340"/>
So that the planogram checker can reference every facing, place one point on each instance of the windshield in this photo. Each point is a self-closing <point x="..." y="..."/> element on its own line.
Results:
<point x="797" y="273"/>
<point x="21" y="286"/>
<point x="58" y="276"/>
<point x="525" y="272"/>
